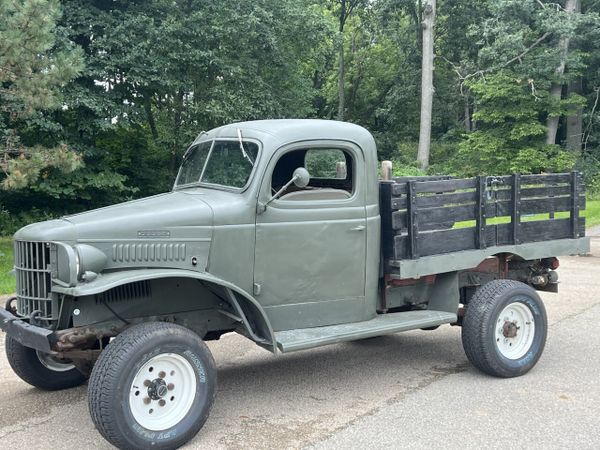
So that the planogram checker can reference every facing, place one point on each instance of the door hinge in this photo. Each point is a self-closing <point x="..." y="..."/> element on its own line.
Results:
<point x="257" y="289"/>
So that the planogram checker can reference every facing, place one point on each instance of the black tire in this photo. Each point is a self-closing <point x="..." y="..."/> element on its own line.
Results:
<point x="26" y="363"/>
<point x="126" y="357"/>
<point x="485" y="335"/>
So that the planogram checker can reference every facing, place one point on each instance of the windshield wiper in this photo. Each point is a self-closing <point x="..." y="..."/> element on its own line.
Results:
<point x="239" y="133"/>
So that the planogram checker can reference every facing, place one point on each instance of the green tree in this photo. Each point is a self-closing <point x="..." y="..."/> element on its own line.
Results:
<point x="34" y="63"/>
<point x="510" y="137"/>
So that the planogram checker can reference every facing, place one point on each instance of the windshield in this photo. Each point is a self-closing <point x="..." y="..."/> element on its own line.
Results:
<point x="224" y="163"/>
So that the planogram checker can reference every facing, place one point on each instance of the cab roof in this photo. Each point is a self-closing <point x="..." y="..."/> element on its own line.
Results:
<point x="277" y="132"/>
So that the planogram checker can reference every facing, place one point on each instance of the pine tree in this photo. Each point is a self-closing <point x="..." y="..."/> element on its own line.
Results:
<point x="34" y="64"/>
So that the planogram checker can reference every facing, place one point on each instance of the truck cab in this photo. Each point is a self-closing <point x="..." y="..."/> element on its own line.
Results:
<point x="282" y="231"/>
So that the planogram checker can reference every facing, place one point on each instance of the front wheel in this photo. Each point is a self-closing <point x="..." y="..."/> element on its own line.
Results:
<point x="153" y="387"/>
<point x="41" y="370"/>
<point x="504" y="328"/>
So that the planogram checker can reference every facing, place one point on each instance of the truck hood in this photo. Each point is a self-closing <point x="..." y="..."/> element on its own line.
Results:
<point x="162" y="217"/>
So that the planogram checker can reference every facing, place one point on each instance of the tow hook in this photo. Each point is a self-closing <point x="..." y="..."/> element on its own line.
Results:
<point x="11" y="305"/>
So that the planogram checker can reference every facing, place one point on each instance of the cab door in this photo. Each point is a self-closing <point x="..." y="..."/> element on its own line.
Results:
<point x="311" y="243"/>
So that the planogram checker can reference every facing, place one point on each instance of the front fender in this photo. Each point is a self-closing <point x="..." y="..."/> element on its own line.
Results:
<point x="242" y="302"/>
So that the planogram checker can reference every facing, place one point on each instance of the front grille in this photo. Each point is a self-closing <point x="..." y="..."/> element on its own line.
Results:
<point x="32" y="269"/>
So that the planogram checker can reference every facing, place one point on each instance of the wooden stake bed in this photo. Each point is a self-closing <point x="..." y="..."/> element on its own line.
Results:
<point x="424" y="217"/>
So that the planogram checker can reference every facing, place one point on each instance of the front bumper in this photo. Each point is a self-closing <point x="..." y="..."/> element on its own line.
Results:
<point x="29" y="335"/>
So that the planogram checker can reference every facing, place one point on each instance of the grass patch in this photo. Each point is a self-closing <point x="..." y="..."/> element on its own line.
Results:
<point x="591" y="214"/>
<point x="7" y="281"/>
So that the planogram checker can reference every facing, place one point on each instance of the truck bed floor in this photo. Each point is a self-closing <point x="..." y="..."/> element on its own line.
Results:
<point x="305" y="338"/>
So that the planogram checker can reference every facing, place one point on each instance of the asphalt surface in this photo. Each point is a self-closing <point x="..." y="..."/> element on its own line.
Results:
<point x="410" y="390"/>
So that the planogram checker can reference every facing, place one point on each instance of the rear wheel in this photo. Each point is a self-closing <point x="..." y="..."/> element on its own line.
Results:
<point x="504" y="328"/>
<point x="153" y="387"/>
<point x="40" y="369"/>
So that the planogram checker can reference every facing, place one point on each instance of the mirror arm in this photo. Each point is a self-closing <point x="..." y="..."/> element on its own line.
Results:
<point x="262" y="207"/>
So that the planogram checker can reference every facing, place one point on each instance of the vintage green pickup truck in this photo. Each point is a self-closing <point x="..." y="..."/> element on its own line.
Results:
<point x="282" y="231"/>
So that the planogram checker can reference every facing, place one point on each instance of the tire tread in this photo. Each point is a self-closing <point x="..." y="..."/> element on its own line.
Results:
<point x="108" y="367"/>
<point x="476" y="324"/>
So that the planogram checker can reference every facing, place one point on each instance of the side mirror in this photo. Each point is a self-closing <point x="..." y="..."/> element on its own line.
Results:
<point x="301" y="177"/>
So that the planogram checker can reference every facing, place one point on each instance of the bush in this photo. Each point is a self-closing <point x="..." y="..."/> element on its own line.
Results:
<point x="10" y="223"/>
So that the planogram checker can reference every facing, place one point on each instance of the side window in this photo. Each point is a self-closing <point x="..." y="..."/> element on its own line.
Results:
<point x="330" y="171"/>
<point x="326" y="163"/>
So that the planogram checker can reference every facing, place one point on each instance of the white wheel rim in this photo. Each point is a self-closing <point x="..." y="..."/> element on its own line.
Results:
<point x="162" y="392"/>
<point x="515" y="329"/>
<point x="50" y="363"/>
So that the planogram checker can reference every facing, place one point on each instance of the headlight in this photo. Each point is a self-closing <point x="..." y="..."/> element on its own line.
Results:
<point x="90" y="259"/>
<point x="73" y="262"/>
<point x="67" y="264"/>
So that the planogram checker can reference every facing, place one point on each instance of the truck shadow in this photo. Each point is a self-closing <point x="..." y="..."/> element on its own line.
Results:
<point x="382" y="363"/>
<point x="350" y="373"/>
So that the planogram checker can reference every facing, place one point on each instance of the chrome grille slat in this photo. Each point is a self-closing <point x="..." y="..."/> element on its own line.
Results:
<point x="33" y="278"/>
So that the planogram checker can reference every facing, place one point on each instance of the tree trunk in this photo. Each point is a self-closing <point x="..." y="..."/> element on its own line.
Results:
<point x="575" y="118"/>
<point x="467" y="112"/>
<point x="426" y="84"/>
<point x="552" y="121"/>
<point x="556" y="88"/>
<point x="341" y="74"/>
<point x="150" y="115"/>
<point x="575" y="121"/>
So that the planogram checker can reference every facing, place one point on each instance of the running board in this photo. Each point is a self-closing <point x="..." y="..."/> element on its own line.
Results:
<point x="304" y="338"/>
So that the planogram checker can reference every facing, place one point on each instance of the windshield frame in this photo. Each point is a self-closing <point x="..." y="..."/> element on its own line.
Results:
<point x="220" y="187"/>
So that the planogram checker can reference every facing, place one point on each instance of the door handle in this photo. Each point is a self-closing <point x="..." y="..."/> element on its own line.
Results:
<point x="358" y="228"/>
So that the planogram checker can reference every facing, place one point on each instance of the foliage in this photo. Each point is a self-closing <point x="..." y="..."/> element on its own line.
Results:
<point x="7" y="281"/>
<point x="99" y="100"/>
<point x="34" y="63"/>
<point x="510" y="138"/>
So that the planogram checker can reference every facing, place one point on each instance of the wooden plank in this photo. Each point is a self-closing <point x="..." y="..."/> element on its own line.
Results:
<point x="548" y="191"/>
<point x="400" y="223"/>
<point x="428" y="201"/>
<point x="546" y="178"/>
<point x="399" y="203"/>
<point x="399" y="220"/>
<point x="544" y="205"/>
<point x="574" y="205"/>
<point x="533" y="206"/>
<point x="516" y="208"/>
<point x="406" y="179"/>
<point x="504" y="234"/>
<point x="401" y="247"/>
<point x="544" y="230"/>
<point x="480" y="218"/>
<point x="446" y="241"/>
<point x="385" y="211"/>
<point x="444" y="185"/>
<point x="447" y="214"/>
<point x="411" y="224"/>
<point x="399" y="188"/>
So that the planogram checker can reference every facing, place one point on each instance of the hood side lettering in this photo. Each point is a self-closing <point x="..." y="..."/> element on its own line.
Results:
<point x="154" y="234"/>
